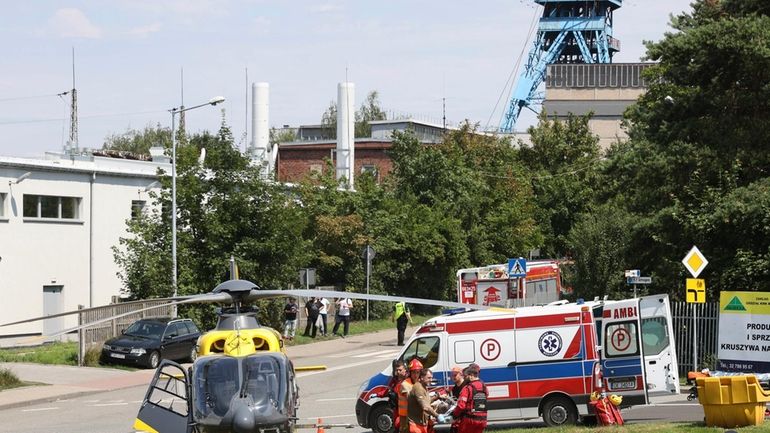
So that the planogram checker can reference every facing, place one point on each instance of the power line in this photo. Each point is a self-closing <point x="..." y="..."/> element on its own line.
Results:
<point x="93" y="116"/>
<point x="21" y="98"/>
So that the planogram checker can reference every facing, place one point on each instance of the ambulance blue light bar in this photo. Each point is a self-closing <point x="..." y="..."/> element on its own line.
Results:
<point x="453" y="311"/>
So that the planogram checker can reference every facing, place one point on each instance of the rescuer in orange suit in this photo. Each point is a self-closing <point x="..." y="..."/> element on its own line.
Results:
<point x="415" y="367"/>
<point x="470" y="414"/>
<point x="399" y="374"/>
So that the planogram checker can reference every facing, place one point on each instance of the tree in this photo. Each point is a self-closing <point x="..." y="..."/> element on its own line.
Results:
<point x="139" y="142"/>
<point x="563" y="163"/>
<point x="477" y="180"/>
<point x="225" y="208"/>
<point x="599" y="243"/>
<point x="700" y="141"/>
<point x="369" y="110"/>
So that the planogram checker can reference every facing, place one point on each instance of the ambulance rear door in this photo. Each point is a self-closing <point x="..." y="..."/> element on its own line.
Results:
<point x="621" y="355"/>
<point x="662" y="377"/>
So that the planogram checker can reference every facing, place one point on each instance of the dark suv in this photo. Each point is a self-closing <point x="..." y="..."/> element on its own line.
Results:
<point x="147" y="341"/>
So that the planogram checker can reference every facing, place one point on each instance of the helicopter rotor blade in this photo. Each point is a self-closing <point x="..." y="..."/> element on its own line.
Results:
<point x="85" y="310"/>
<point x="208" y="298"/>
<point x="264" y="294"/>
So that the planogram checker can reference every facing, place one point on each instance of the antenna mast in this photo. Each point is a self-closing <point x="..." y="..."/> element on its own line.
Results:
<point x="73" y="144"/>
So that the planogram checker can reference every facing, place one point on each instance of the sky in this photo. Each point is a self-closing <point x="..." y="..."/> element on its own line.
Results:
<point x="130" y="57"/>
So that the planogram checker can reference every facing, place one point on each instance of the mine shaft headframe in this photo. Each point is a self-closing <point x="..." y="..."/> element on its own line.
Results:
<point x="570" y="31"/>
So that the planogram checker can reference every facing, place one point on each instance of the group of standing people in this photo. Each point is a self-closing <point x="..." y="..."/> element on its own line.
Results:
<point x="316" y="311"/>
<point x="415" y="412"/>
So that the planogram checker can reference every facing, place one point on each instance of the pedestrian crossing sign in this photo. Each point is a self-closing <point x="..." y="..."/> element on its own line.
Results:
<point x="517" y="268"/>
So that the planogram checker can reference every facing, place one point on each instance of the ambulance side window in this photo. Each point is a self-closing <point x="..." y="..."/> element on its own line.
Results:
<point x="621" y="339"/>
<point x="654" y="335"/>
<point x="425" y="349"/>
<point x="464" y="352"/>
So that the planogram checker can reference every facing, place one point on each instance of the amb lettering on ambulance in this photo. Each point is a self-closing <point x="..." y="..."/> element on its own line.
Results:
<point x="546" y="360"/>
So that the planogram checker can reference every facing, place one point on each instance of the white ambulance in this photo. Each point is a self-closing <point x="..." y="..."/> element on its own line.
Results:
<point x="543" y="360"/>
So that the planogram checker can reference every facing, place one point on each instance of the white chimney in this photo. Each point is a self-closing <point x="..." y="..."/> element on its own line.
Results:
<point x="346" y="131"/>
<point x="260" y="129"/>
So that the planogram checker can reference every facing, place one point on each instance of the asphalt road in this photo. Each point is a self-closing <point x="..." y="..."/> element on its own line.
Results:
<point x="329" y="395"/>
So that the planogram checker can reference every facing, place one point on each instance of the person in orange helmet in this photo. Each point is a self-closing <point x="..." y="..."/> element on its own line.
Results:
<point x="415" y="367"/>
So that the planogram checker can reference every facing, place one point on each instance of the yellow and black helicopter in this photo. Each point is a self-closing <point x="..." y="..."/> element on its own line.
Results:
<point x="242" y="380"/>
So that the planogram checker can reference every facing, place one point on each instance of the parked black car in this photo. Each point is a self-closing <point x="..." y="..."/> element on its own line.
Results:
<point x="147" y="341"/>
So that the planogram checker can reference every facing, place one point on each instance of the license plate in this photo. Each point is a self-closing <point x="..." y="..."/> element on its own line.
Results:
<point x="118" y="355"/>
<point x="622" y="384"/>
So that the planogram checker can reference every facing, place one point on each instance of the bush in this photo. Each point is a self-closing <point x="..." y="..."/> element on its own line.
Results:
<point x="8" y="379"/>
<point x="92" y="355"/>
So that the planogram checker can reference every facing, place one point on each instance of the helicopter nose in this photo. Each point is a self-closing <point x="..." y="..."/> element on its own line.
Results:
<point x="243" y="420"/>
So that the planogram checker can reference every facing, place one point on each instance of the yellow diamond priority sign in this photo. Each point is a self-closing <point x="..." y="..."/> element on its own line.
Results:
<point x="695" y="262"/>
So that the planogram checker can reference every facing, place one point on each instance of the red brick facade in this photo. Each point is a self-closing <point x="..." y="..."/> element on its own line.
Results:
<point x="297" y="161"/>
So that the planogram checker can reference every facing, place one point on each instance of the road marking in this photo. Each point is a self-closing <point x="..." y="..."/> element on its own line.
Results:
<point x="108" y="404"/>
<point x="341" y="367"/>
<point x="90" y="401"/>
<point x="337" y="399"/>
<point x="380" y="352"/>
<point x="327" y="417"/>
<point x="40" y="409"/>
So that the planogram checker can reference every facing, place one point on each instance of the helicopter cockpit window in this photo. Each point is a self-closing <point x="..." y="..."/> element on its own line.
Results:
<point x="262" y="380"/>
<point x="425" y="349"/>
<point x="216" y="383"/>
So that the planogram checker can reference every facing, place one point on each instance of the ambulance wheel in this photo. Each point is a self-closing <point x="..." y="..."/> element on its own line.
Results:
<point x="381" y="419"/>
<point x="559" y="411"/>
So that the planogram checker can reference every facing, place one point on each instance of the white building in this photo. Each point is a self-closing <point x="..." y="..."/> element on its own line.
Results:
<point x="59" y="219"/>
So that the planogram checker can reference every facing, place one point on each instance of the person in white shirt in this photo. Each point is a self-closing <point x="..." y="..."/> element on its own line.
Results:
<point x="322" y="312"/>
<point x="343" y="315"/>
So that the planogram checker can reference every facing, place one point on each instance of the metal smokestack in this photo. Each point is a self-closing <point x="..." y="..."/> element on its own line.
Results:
<point x="260" y="129"/>
<point x="346" y="132"/>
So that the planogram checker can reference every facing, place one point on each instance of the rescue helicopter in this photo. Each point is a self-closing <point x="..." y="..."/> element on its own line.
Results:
<point x="242" y="380"/>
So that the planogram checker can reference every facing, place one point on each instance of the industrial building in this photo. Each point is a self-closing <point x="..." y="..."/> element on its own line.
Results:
<point x="60" y="217"/>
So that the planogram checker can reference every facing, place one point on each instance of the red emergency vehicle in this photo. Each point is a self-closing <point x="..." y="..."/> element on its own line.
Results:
<point x="543" y="361"/>
<point x="491" y="285"/>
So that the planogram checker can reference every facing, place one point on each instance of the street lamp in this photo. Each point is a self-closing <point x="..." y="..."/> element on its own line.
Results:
<point x="213" y="101"/>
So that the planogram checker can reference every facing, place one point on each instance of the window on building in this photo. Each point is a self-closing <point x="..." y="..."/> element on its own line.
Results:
<point x="2" y="205"/>
<point x="53" y="207"/>
<point x="371" y="169"/>
<point x="137" y="209"/>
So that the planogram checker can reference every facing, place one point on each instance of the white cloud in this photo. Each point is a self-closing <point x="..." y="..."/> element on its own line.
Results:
<point x="144" y="31"/>
<point x="326" y="8"/>
<point x="73" y="23"/>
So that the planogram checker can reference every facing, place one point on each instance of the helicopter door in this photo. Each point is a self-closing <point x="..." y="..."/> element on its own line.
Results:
<point x="166" y="406"/>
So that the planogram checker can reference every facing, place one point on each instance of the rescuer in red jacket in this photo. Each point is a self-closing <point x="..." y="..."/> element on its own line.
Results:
<point x="470" y="414"/>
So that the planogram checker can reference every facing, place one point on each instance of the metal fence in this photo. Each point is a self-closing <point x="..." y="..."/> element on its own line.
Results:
<point x="707" y="334"/>
<point x="93" y="336"/>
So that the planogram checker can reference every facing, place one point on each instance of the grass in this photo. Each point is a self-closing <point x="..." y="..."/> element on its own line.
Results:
<point x="9" y="380"/>
<point x="356" y="327"/>
<point x="50" y="353"/>
<point x="680" y="427"/>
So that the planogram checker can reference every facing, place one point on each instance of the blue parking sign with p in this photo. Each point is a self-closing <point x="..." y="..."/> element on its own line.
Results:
<point x="517" y="268"/>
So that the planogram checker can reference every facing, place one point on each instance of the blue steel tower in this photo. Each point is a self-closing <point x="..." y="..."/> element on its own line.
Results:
<point x="570" y="31"/>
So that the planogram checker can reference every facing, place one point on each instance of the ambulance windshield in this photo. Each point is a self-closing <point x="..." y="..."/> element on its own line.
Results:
<point x="425" y="349"/>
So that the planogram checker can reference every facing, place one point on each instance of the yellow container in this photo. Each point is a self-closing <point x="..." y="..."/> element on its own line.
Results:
<point x="732" y="401"/>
